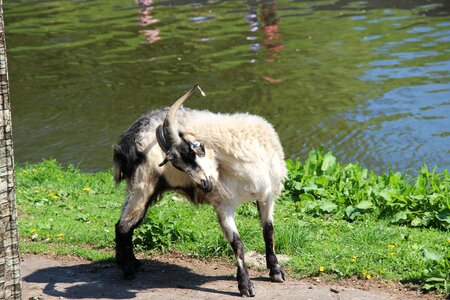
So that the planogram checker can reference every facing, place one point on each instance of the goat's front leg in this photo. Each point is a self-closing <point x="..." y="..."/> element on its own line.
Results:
<point x="228" y="225"/>
<point x="124" y="251"/>
<point x="266" y="215"/>
<point x="133" y="212"/>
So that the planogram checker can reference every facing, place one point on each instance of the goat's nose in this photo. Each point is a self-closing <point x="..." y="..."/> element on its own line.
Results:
<point x="206" y="185"/>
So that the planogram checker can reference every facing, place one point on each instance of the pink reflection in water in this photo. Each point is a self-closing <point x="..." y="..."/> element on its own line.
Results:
<point x="272" y="36"/>
<point x="146" y="19"/>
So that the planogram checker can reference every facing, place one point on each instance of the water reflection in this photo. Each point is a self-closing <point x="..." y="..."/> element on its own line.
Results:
<point x="438" y="8"/>
<point x="271" y="40"/>
<point x="367" y="79"/>
<point x="146" y="20"/>
<point x="409" y="122"/>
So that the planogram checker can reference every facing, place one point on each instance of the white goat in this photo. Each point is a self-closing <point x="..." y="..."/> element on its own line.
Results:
<point x="221" y="159"/>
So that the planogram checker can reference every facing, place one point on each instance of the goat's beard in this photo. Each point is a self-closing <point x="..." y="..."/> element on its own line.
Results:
<point x="223" y="191"/>
<point x="202" y="197"/>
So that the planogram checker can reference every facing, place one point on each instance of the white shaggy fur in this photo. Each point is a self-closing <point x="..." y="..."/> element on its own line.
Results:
<point x="243" y="159"/>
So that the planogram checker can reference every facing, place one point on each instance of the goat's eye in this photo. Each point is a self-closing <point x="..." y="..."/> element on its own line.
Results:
<point x="195" y="144"/>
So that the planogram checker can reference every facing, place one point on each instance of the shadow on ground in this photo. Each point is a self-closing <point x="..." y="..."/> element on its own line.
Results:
<point x="104" y="280"/>
<point x="179" y="278"/>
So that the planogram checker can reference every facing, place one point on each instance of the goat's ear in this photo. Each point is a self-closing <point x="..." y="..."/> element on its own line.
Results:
<point x="162" y="141"/>
<point x="169" y="158"/>
<point x="165" y="161"/>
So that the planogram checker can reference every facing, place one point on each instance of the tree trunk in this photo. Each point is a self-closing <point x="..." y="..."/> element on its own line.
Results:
<point x="10" y="286"/>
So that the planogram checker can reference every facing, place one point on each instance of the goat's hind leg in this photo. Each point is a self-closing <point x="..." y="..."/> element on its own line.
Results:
<point x="266" y="215"/>
<point x="134" y="209"/>
<point x="228" y="225"/>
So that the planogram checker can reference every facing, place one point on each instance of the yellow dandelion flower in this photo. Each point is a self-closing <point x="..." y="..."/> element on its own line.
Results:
<point x="353" y="257"/>
<point x="87" y="189"/>
<point x="392" y="253"/>
<point x="33" y="231"/>
<point x="60" y="236"/>
<point x="322" y="268"/>
<point x="391" y="246"/>
<point x="368" y="276"/>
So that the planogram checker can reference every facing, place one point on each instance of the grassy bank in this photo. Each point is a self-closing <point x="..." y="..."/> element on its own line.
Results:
<point x="336" y="220"/>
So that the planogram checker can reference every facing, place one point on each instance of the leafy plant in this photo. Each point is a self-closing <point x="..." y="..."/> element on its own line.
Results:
<point x="65" y="211"/>
<point x="162" y="229"/>
<point x="438" y="272"/>
<point x="324" y="187"/>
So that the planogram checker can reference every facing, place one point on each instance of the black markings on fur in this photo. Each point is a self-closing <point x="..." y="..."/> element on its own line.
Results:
<point x="124" y="244"/>
<point x="276" y="272"/>
<point x="187" y="154"/>
<point x="126" y="156"/>
<point x="124" y="253"/>
<point x="188" y="192"/>
<point x="244" y="284"/>
<point x="271" y="258"/>
<point x="238" y="246"/>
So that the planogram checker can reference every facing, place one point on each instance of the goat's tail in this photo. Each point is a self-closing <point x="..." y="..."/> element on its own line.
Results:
<point x="126" y="160"/>
<point x="118" y="164"/>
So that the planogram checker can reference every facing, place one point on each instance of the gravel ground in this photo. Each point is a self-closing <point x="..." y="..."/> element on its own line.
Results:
<point x="176" y="276"/>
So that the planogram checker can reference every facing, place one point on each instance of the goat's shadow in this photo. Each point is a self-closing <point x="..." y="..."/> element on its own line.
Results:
<point x="104" y="280"/>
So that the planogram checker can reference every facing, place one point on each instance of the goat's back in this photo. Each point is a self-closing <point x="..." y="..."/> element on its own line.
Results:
<point x="243" y="142"/>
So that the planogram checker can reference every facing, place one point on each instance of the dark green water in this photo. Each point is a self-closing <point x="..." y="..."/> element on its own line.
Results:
<point x="369" y="80"/>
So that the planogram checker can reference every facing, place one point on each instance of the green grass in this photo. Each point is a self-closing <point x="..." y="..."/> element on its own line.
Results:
<point x="65" y="211"/>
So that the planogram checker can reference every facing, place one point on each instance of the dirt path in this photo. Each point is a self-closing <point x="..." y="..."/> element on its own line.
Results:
<point x="179" y="277"/>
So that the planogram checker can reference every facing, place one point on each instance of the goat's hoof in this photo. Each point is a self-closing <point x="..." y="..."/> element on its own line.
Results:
<point x="277" y="275"/>
<point x="247" y="290"/>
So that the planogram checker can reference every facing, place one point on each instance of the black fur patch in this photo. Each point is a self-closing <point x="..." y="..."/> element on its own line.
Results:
<point x="126" y="157"/>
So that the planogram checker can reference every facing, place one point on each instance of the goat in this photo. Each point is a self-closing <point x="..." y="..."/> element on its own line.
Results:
<point x="221" y="159"/>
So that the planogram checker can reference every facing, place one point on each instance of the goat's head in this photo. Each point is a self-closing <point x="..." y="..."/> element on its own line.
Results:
<point x="184" y="151"/>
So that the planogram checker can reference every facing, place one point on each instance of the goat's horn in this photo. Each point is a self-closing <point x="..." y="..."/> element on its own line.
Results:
<point x="170" y="133"/>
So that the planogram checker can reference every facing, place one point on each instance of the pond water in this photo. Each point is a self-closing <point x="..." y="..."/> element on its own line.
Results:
<point x="368" y="80"/>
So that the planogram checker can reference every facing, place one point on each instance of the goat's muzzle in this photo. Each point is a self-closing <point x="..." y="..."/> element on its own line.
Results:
<point x="206" y="185"/>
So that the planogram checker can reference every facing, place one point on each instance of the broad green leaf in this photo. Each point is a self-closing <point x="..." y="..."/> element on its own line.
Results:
<point x="435" y="279"/>
<point x="322" y="180"/>
<point x="432" y="255"/>
<point x="428" y="287"/>
<point x="444" y="216"/>
<point x="349" y="211"/>
<point x="306" y="197"/>
<point x="328" y="206"/>
<point x="298" y="186"/>
<point x="400" y="217"/>
<point x="329" y="161"/>
<point x="290" y="164"/>
<point x="311" y="186"/>
<point x="385" y="194"/>
<point x="363" y="205"/>
<point x="416" y="222"/>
